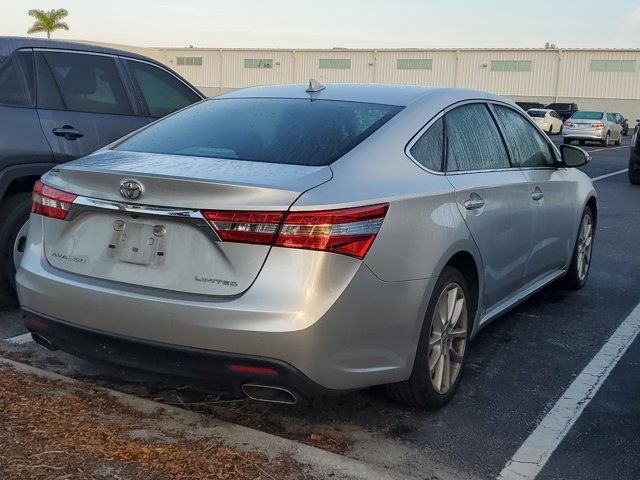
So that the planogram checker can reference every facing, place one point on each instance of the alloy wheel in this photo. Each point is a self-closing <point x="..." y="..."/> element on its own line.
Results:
<point x="585" y="242"/>
<point x="448" y="338"/>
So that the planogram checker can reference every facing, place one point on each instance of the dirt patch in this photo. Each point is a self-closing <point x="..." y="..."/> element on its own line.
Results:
<point x="53" y="430"/>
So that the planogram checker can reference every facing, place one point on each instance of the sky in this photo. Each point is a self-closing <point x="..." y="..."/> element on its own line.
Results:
<point x="340" y="23"/>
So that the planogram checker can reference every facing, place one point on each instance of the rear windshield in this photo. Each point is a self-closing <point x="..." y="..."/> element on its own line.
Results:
<point x="537" y="113"/>
<point x="273" y="130"/>
<point x="584" y="115"/>
<point x="559" y="106"/>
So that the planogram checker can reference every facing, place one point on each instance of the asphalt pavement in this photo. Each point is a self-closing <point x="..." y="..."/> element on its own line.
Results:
<point x="518" y="368"/>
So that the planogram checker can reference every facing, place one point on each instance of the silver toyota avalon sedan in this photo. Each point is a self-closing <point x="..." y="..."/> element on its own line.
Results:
<point x="290" y="241"/>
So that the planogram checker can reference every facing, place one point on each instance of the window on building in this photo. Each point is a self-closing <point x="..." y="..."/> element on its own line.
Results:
<point x="344" y="63"/>
<point x="511" y="65"/>
<point x="258" y="63"/>
<point x="414" y="64"/>
<point x="613" y="65"/>
<point x="191" y="61"/>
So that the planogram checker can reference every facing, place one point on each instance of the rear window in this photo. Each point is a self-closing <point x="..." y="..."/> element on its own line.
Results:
<point x="537" y="113"/>
<point x="559" y="106"/>
<point x="273" y="130"/>
<point x="587" y="115"/>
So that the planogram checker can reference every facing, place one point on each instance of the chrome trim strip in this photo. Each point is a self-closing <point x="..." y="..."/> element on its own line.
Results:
<point x="87" y="204"/>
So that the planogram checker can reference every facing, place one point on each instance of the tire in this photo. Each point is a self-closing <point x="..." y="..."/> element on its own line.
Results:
<point x="566" y="141"/>
<point x="420" y="389"/>
<point x="634" y="174"/>
<point x="14" y="213"/>
<point x="582" y="142"/>
<point x="576" y="277"/>
<point x="619" y="141"/>
<point x="550" y="132"/>
<point x="607" y="140"/>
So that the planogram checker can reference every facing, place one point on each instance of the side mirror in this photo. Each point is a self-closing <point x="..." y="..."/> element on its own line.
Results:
<point x="574" y="156"/>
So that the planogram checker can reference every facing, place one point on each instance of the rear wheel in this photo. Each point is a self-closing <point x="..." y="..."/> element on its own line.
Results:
<point x="619" y="141"/>
<point x="442" y="348"/>
<point x="634" y="173"/>
<point x="14" y="216"/>
<point x="578" y="273"/>
<point x="607" y="140"/>
<point x="582" y="142"/>
<point x="566" y="141"/>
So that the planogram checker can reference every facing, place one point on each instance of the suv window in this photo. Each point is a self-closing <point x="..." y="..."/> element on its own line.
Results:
<point x="16" y="80"/>
<point x="162" y="92"/>
<point x="526" y="144"/>
<point x="81" y="82"/>
<point x="428" y="150"/>
<point x="473" y="140"/>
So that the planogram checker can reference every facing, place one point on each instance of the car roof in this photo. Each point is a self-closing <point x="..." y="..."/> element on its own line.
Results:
<point x="540" y="110"/>
<point x="10" y="44"/>
<point x="386" y="94"/>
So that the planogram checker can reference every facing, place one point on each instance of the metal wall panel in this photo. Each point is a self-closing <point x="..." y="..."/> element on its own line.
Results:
<point x="307" y="65"/>
<point x="235" y="75"/>
<point x="577" y="79"/>
<point x="205" y="75"/>
<point x="475" y="72"/>
<point x="442" y="73"/>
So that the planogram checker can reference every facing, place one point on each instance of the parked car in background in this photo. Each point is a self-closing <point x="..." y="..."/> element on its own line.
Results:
<point x="60" y="101"/>
<point x="294" y="242"/>
<point x="634" y="157"/>
<point x="623" y="122"/>
<point x="565" y="110"/>
<point x="592" y="126"/>
<point x="529" y="105"/>
<point x="547" y="120"/>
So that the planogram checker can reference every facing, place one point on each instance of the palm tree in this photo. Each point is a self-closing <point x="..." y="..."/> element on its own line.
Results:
<point x="48" y="21"/>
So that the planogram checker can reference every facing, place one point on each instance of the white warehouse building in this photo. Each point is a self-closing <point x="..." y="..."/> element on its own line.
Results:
<point x="594" y="79"/>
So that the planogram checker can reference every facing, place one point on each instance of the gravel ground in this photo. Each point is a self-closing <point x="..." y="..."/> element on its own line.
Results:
<point x="59" y="431"/>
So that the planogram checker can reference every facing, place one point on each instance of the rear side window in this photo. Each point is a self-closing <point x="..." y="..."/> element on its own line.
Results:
<point x="273" y="130"/>
<point x="525" y="142"/>
<point x="16" y="80"/>
<point x="162" y="92"/>
<point x="428" y="150"/>
<point x="82" y="83"/>
<point x="473" y="140"/>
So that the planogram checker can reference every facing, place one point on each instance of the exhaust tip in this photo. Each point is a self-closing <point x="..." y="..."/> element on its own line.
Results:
<point x="43" y="342"/>
<point x="268" y="393"/>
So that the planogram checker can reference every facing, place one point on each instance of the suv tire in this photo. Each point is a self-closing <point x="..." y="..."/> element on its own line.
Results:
<point x="14" y="212"/>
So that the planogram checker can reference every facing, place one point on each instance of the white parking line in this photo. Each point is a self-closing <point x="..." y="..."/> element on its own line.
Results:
<point x="607" y="148"/>
<point x="594" y="179"/>
<point x="534" y="453"/>
<point x="19" y="339"/>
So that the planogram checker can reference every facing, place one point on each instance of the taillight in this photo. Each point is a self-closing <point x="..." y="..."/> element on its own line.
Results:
<point x="245" y="227"/>
<point x="50" y="202"/>
<point x="348" y="231"/>
<point x="568" y="124"/>
<point x="597" y="124"/>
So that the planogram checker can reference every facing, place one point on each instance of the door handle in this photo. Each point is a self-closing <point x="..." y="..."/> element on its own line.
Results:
<point x="474" y="203"/>
<point x="537" y="195"/>
<point x="68" y="132"/>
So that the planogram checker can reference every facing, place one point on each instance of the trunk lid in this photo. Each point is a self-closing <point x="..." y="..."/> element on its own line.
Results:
<point x="160" y="240"/>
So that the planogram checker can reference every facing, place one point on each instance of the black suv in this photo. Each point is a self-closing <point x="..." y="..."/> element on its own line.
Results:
<point x="565" y="110"/>
<point x="60" y="101"/>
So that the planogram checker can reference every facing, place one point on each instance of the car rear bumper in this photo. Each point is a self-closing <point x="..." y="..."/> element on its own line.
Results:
<point x="583" y="134"/>
<point x="202" y="367"/>
<point x="325" y="315"/>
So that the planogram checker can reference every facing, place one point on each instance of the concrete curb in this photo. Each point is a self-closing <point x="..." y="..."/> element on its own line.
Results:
<point x="319" y="461"/>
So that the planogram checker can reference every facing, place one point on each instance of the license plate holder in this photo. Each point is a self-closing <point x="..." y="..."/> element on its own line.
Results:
<point x="138" y="243"/>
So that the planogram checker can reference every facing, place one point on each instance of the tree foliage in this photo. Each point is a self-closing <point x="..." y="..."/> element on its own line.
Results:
<point x="48" y="20"/>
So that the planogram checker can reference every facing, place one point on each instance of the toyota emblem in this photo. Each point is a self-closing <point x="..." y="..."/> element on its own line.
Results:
<point x="130" y="189"/>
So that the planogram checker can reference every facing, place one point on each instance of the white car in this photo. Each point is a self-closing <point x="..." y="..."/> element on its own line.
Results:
<point x="547" y="120"/>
